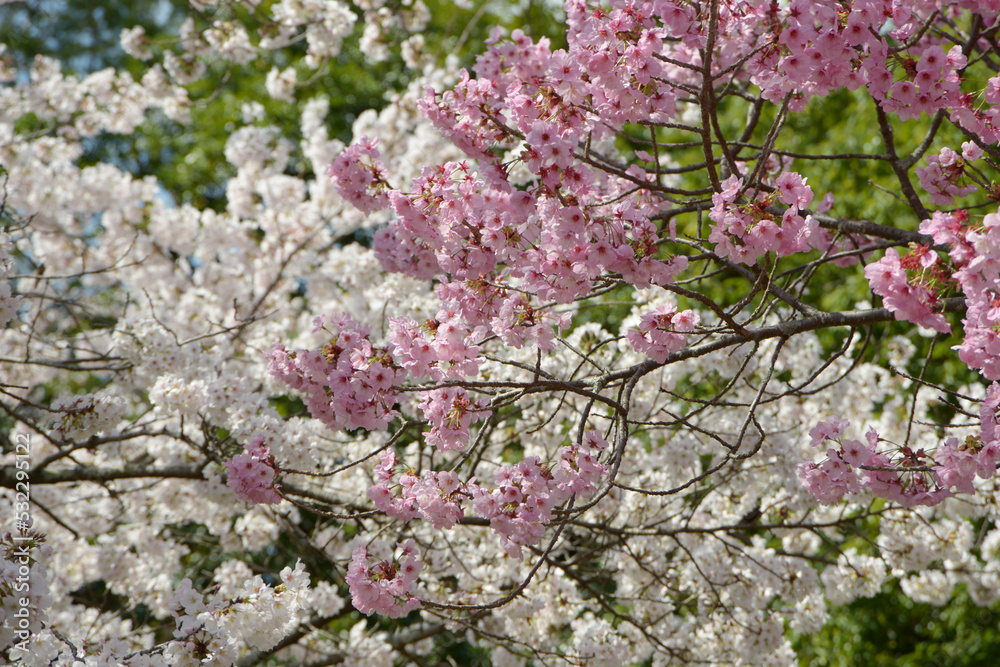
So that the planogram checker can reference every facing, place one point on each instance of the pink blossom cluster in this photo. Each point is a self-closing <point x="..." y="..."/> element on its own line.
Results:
<point x="482" y="238"/>
<point x="528" y="492"/>
<point x="461" y="114"/>
<point x="959" y="463"/>
<point x="814" y="52"/>
<point x="903" y="475"/>
<point x="983" y="121"/>
<point x="834" y="478"/>
<point x="435" y="497"/>
<point x="943" y="175"/>
<point x="441" y="211"/>
<point x="519" y="508"/>
<point x="830" y="481"/>
<point x="822" y="46"/>
<point x="518" y="322"/>
<point x="989" y="420"/>
<point x="441" y="350"/>
<point x="500" y="250"/>
<point x="661" y="332"/>
<point x="251" y="474"/>
<point x="360" y="176"/>
<point x="974" y="249"/>
<point x="805" y="48"/>
<point x="404" y="254"/>
<point x="613" y="58"/>
<point x="578" y="469"/>
<point x="348" y="383"/>
<point x="745" y="230"/>
<point x="384" y="586"/>
<point x="609" y="55"/>
<point x="486" y="235"/>
<point x="549" y="146"/>
<point x="930" y="82"/>
<point x="450" y="412"/>
<point x="910" y="285"/>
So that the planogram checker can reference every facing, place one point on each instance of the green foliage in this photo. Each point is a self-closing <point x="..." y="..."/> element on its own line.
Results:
<point x="890" y="630"/>
<point x="288" y="406"/>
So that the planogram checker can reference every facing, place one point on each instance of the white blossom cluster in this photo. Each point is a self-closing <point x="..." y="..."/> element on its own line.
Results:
<point x="79" y="417"/>
<point x="322" y="24"/>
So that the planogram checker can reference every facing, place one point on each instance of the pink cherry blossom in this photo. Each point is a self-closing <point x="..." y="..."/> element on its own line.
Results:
<point x="251" y="474"/>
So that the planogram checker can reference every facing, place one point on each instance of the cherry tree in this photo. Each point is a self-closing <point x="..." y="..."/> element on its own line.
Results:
<point x="551" y="364"/>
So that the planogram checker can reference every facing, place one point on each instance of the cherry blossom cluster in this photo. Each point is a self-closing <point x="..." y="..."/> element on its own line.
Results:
<point x="929" y="82"/>
<point x="434" y="497"/>
<point x="661" y="332"/>
<point x="527" y="493"/>
<point x="910" y="285"/>
<point x="251" y="474"/>
<point x="384" y="585"/>
<point x="500" y="245"/>
<point x="441" y="350"/>
<point x="943" y="176"/>
<point x="485" y="236"/>
<point x="517" y="323"/>
<point x="984" y="121"/>
<point x="360" y="176"/>
<point x="578" y="469"/>
<point x="79" y="417"/>
<point x="348" y="383"/>
<point x="258" y="616"/>
<point x="450" y="411"/>
<point x="902" y="474"/>
<point x="489" y="237"/>
<point x="974" y="249"/>
<point x="262" y="614"/>
<point x="519" y="508"/>
<point x="613" y="57"/>
<point x="214" y="31"/>
<point x="746" y="230"/>
<point x="819" y="49"/>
